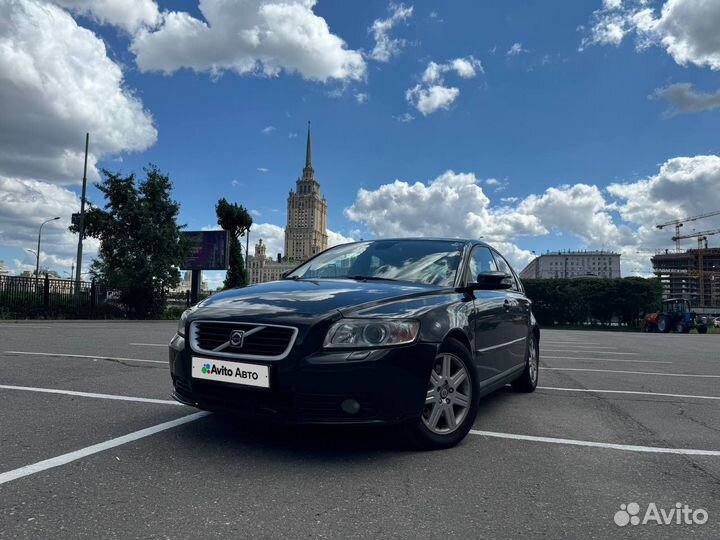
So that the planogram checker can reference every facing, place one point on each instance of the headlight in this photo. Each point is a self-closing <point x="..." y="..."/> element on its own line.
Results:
<point x="350" y="333"/>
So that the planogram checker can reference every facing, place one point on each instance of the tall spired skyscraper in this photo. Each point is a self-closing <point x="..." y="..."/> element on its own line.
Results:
<point x="306" y="230"/>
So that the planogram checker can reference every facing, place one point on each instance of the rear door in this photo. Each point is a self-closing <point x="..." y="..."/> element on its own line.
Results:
<point x="516" y="317"/>
<point x="487" y="316"/>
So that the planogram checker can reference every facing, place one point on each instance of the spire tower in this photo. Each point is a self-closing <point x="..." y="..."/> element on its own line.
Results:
<point x="308" y="150"/>
<point x="306" y="230"/>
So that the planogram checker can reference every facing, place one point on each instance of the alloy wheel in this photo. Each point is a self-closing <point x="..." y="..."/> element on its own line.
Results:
<point x="449" y="395"/>
<point x="533" y="361"/>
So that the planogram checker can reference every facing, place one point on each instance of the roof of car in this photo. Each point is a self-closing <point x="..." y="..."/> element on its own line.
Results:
<point x="441" y="239"/>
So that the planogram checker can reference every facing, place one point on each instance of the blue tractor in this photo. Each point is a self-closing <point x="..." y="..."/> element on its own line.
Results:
<point x="675" y="315"/>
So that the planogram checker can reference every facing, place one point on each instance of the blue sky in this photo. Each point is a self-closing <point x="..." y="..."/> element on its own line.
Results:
<point x="589" y="97"/>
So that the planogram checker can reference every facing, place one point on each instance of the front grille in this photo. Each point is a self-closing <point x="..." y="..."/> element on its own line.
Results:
<point x="240" y="400"/>
<point x="267" y="342"/>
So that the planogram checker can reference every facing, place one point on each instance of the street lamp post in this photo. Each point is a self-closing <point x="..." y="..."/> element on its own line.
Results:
<point x="37" y="264"/>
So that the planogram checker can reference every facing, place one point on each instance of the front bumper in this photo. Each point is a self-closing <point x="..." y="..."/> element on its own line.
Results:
<point x="387" y="385"/>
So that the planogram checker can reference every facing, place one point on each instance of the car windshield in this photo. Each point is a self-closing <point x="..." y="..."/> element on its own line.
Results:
<point x="421" y="261"/>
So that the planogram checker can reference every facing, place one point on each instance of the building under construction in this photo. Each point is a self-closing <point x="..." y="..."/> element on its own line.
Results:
<point x="693" y="274"/>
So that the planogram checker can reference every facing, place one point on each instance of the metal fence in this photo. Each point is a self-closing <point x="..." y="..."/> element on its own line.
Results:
<point x="30" y="297"/>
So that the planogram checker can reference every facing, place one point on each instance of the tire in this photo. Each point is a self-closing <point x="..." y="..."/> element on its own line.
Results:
<point x="682" y="328"/>
<point x="663" y="324"/>
<point x="434" y="428"/>
<point x="527" y="381"/>
<point x="702" y="329"/>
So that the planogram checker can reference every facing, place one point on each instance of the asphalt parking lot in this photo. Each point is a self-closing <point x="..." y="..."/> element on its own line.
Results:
<point x="619" y="418"/>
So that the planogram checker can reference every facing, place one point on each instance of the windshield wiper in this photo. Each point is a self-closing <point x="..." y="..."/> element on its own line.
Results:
<point x="370" y="278"/>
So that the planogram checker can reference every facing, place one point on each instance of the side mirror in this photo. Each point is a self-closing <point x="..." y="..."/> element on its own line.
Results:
<point x="491" y="281"/>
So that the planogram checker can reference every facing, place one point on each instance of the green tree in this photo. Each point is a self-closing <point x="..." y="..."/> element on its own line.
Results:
<point x="236" y="220"/>
<point x="577" y="301"/>
<point x="141" y="245"/>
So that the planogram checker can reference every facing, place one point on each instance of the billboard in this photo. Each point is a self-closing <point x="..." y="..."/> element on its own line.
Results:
<point x="208" y="250"/>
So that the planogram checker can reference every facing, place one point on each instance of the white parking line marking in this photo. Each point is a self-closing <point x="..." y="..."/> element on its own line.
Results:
<point x="633" y="392"/>
<point x="96" y="448"/>
<point x="149" y="344"/>
<point x="634" y="372"/>
<point x="571" y="346"/>
<point x="605" y="359"/>
<point x="63" y="355"/>
<point x="89" y="394"/>
<point x="590" y="351"/>
<point x="24" y="326"/>
<point x="572" y="442"/>
<point x="576" y="343"/>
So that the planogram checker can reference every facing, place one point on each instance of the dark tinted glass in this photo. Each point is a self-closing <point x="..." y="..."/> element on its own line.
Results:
<point x="421" y="261"/>
<point x="503" y="266"/>
<point x="481" y="260"/>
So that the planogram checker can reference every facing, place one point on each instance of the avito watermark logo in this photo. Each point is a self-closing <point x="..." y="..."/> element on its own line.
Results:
<point x="680" y="514"/>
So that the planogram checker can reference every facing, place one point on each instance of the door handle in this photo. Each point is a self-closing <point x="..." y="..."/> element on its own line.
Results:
<point x="506" y="304"/>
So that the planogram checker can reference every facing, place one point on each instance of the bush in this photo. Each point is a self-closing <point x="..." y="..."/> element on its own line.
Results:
<point x="173" y="313"/>
<point x="594" y="301"/>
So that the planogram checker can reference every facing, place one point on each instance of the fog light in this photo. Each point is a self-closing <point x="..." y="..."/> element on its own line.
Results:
<point x="350" y="406"/>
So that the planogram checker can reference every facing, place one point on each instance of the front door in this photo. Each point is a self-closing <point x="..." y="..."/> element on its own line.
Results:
<point x="516" y="320"/>
<point x="487" y="319"/>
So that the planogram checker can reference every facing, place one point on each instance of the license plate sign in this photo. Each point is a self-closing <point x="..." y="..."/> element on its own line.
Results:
<point x="231" y="372"/>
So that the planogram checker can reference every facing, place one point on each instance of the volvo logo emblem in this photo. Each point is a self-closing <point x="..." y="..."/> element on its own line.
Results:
<point x="236" y="338"/>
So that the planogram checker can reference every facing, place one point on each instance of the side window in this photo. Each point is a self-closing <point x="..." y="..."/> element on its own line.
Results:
<point x="503" y="266"/>
<point x="481" y="260"/>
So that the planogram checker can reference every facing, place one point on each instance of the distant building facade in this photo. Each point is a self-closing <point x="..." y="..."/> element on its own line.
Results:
<point x="262" y="268"/>
<point x="573" y="264"/>
<point x="693" y="275"/>
<point x="4" y="270"/>
<point x="306" y="229"/>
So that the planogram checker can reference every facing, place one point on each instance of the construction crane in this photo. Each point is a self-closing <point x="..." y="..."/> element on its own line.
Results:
<point x="701" y="236"/>
<point x="677" y="223"/>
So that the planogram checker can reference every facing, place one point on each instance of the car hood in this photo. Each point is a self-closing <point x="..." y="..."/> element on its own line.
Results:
<point x="305" y="300"/>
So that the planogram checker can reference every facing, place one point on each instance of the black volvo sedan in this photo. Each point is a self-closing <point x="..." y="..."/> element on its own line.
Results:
<point x="406" y="331"/>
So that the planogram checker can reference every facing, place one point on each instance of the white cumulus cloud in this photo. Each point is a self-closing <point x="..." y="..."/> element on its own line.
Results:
<point x="686" y="29"/>
<point x="467" y="68"/>
<point x="56" y="83"/>
<point x="432" y="94"/>
<point x="130" y="15"/>
<point x="385" y="46"/>
<point x="428" y="99"/>
<point x="621" y="217"/>
<point x="452" y="205"/>
<point x="24" y="205"/>
<point x="249" y="37"/>
<point x="684" y="186"/>
<point x="336" y="238"/>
